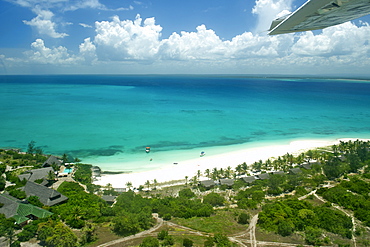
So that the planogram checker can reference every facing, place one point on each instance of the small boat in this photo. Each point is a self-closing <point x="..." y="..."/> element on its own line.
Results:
<point x="147" y="149"/>
<point x="202" y="154"/>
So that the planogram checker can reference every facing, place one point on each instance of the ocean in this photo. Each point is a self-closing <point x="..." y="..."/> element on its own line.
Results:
<point x="109" y="120"/>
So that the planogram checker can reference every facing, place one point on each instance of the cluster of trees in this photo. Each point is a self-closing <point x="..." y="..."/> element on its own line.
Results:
<point x="2" y="179"/>
<point x="132" y="212"/>
<point x="80" y="207"/>
<point x="353" y="195"/>
<point x="15" y="159"/>
<point x="83" y="173"/>
<point x="347" y="157"/>
<point x="287" y="216"/>
<point x="344" y="158"/>
<point x="164" y="239"/>
<point x="250" y="198"/>
<point x="13" y="190"/>
<point x="181" y="207"/>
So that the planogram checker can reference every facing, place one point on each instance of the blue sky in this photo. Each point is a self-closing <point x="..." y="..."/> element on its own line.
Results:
<point x="163" y="36"/>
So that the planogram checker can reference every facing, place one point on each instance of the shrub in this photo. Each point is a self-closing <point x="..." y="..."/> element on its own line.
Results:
<point x="150" y="242"/>
<point x="186" y="193"/>
<point x="168" y="241"/>
<point x="20" y="194"/>
<point x="162" y="234"/>
<point x="243" y="218"/>
<point x="34" y="200"/>
<point x="214" y="199"/>
<point x="187" y="242"/>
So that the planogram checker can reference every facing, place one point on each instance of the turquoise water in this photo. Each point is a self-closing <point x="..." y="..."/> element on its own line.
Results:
<point x="115" y="117"/>
<point x="67" y="170"/>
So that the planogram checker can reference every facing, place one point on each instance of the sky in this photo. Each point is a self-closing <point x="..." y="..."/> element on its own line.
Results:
<point x="172" y="37"/>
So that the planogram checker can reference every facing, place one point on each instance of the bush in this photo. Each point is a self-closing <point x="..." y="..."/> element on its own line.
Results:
<point x="186" y="193"/>
<point x="75" y="223"/>
<point x="150" y="242"/>
<point x="221" y="240"/>
<point x="285" y="228"/>
<point x="243" y="218"/>
<point x="26" y="234"/>
<point x="168" y="241"/>
<point x="209" y="242"/>
<point x="167" y="217"/>
<point x="20" y="194"/>
<point x="162" y="234"/>
<point x="2" y="183"/>
<point x="313" y="236"/>
<point x="34" y="200"/>
<point x="187" y="242"/>
<point x="214" y="199"/>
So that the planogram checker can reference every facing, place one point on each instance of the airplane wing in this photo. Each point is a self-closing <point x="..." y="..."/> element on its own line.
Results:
<point x="319" y="14"/>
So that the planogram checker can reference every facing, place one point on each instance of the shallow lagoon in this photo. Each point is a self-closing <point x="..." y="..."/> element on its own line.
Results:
<point x="109" y="120"/>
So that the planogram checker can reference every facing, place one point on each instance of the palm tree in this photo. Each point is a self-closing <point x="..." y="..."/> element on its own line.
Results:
<point x="239" y="169"/>
<point x="268" y="164"/>
<point x="208" y="172"/>
<point x="221" y="173"/>
<point x="199" y="173"/>
<point x="155" y="183"/>
<point x="245" y="167"/>
<point x="309" y="155"/>
<point x="228" y="172"/>
<point x="299" y="159"/>
<point x="215" y="173"/>
<point x="195" y="180"/>
<point x="50" y="176"/>
<point x="147" y="183"/>
<point x="257" y="165"/>
<point x="129" y="185"/>
<point x="65" y="158"/>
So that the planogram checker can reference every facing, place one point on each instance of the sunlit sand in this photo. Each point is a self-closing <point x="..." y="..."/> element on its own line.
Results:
<point x="179" y="169"/>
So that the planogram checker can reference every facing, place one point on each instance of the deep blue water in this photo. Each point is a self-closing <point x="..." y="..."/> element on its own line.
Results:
<point x="87" y="116"/>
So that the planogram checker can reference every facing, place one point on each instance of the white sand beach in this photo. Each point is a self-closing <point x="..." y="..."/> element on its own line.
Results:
<point x="209" y="161"/>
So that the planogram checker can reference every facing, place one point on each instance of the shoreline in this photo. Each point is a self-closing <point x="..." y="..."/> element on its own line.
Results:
<point x="232" y="158"/>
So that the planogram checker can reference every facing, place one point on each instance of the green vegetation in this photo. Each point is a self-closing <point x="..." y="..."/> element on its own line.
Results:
<point x="55" y="233"/>
<point x="353" y="195"/>
<point x="286" y="216"/>
<point x="345" y="167"/>
<point x="214" y="199"/>
<point x="222" y="221"/>
<point x="83" y="173"/>
<point x="80" y="207"/>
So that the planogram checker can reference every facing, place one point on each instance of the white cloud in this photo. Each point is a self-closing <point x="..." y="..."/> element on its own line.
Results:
<point x="43" y="23"/>
<point x="130" y="40"/>
<point x="85" y="25"/>
<point x="122" y="8"/>
<point x="127" y="40"/>
<point x="139" y="41"/>
<point x="203" y="44"/>
<point x="88" y="51"/>
<point x="93" y="4"/>
<point x="83" y="4"/>
<point x="340" y="40"/>
<point x="44" y="55"/>
<point x="43" y="3"/>
<point x="268" y="10"/>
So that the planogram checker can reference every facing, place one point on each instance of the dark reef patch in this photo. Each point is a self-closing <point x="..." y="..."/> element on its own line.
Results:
<point x="168" y="145"/>
<point x="83" y="153"/>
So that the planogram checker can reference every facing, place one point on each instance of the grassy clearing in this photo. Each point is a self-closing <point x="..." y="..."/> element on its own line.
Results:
<point x="223" y="221"/>
<point x="262" y="235"/>
<point x="104" y="234"/>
